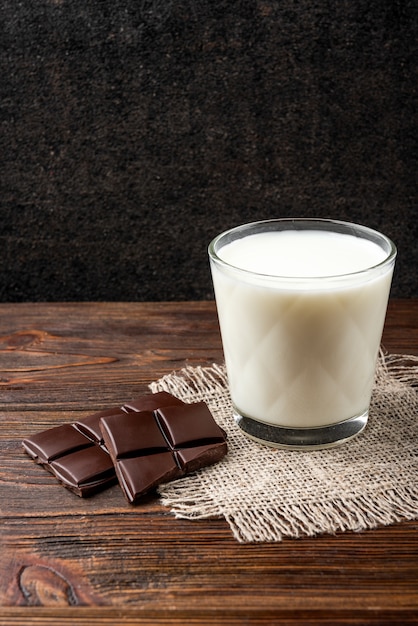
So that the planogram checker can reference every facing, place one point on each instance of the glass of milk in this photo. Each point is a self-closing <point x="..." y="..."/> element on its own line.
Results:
<point x="301" y="306"/>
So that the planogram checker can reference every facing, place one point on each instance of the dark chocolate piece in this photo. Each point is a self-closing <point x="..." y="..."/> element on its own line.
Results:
<point x="77" y="460"/>
<point x="85" y="471"/>
<point x="152" y="401"/>
<point x="154" y="447"/>
<point x="90" y="426"/>
<point x="75" y="453"/>
<point x="177" y="441"/>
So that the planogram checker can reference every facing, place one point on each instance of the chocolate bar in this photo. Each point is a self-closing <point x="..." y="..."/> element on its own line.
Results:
<point x="77" y="456"/>
<point x="75" y="453"/>
<point x="156" y="446"/>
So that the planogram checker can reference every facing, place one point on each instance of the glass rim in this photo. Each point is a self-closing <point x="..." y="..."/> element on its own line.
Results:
<point x="369" y="233"/>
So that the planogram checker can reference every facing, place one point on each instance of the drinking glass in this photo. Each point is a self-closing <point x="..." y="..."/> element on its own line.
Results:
<point x="301" y="306"/>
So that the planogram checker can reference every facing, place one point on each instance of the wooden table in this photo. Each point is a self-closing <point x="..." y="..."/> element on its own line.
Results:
<point x="66" y="560"/>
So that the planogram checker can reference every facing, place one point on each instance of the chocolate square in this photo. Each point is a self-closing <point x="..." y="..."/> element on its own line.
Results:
<point x="152" y="448"/>
<point x="186" y="425"/>
<point x="90" y="425"/>
<point x="132" y="434"/>
<point x="76" y="460"/>
<point x="49" y="444"/>
<point x="138" y="475"/>
<point x="85" y="471"/>
<point x="152" y="401"/>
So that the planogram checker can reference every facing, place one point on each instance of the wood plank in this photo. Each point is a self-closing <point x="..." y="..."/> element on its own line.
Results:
<point x="92" y="354"/>
<point x="124" y="616"/>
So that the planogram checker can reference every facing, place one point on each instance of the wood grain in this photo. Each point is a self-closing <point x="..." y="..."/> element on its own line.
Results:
<point x="67" y="560"/>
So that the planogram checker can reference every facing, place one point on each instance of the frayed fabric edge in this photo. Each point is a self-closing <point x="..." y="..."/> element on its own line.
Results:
<point x="308" y="519"/>
<point x="191" y="381"/>
<point x="313" y="519"/>
<point x="402" y="367"/>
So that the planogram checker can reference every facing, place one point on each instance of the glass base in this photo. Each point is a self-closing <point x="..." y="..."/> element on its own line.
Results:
<point x="302" y="438"/>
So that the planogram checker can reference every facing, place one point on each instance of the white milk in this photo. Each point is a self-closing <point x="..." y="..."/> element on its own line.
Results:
<point x="301" y="352"/>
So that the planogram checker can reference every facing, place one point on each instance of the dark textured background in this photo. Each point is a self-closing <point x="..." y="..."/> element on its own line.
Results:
<point x="134" y="131"/>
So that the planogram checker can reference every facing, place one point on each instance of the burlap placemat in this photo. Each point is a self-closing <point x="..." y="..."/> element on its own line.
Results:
<point x="266" y="494"/>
